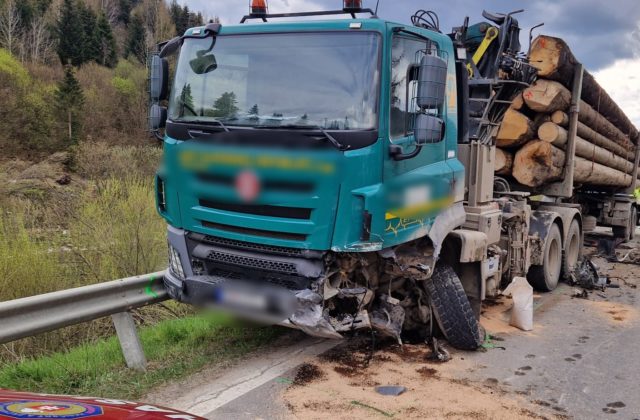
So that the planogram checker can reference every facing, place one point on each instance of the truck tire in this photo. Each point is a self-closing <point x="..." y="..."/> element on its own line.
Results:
<point x="545" y="277"/>
<point x="572" y="250"/>
<point x="452" y="310"/>
<point x="628" y="233"/>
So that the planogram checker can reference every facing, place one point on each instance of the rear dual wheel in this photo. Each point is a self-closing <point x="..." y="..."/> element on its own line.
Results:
<point x="545" y="277"/>
<point x="572" y="250"/>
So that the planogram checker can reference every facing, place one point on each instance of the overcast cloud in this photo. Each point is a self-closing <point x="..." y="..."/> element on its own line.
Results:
<point x="604" y="35"/>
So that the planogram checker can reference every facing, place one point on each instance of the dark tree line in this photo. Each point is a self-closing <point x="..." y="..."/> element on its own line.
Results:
<point x="183" y="18"/>
<point x="84" y="36"/>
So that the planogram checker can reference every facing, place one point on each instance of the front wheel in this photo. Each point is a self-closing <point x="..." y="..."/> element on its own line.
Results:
<point x="452" y="309"/>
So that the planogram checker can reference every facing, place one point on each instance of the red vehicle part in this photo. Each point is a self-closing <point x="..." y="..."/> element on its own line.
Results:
<point x="23" y="405"/>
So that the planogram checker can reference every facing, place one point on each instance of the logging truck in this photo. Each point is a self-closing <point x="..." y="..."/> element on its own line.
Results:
<point x="344" y="174"/>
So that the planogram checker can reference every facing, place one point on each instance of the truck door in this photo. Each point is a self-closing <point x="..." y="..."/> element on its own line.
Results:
<point x="406" y="51"/>
<point x="421" y="181"/>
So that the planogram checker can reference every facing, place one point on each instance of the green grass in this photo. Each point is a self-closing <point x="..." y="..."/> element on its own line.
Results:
<point x="174" y="349"/>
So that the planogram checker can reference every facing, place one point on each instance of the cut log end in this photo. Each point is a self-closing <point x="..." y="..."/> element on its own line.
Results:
<point x="547" y="96"/>
<point x="561" y="118"/>
<point x="538" y="163"/>
<point x="504" y="162"/>
<point x="552" y="133"/>
<point x="515" y="130"/>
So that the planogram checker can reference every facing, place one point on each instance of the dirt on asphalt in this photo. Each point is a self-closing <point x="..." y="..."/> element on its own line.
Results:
<point x="346" y="388"/>
<point x="432" y="392"/>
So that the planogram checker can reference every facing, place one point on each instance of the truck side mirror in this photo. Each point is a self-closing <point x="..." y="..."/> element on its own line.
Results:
<point x="432" y="82"/>
<point x="158" y="78"/>
<point x="428" y="129"/>
<point x="171" y="47"/>
<point x="157" y="117"/>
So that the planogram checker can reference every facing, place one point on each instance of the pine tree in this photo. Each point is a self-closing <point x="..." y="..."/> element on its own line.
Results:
<point x="183" y="18"/>
<point x="175" y="11"/>
<point x="186" y="97"/>
<point x="136" y="40"/>
<point x="70" y="33"/>
<point x="69" y="99"/>
<point x="107" y="54"/>
<point x="124" y="6"/>
<point x="226" y="105"/>
<point x="254" y="113"/>
<point x="90" y="45"/>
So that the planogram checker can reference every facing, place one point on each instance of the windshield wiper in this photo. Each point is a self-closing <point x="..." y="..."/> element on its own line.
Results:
<point x="335" y="143"/>
<point x="207" y="122"/>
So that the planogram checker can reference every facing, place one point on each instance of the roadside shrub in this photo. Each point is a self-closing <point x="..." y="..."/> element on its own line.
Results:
<point x="98" y="161"/>
<point x="117" y="232"/>
<point x="115" y="103"/>
<point x="27" y="123"/>
<point x="29" y="265"/>
<point x="111" y="232"/>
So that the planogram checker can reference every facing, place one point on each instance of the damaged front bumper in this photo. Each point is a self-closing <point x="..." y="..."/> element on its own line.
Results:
<point x="304" y="310"/>
<point x="324" y="294"/>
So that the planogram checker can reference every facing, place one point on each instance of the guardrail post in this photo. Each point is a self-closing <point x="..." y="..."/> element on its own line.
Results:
<point x="129" y="341"/>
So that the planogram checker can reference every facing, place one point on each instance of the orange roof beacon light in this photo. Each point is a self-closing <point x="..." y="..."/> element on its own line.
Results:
<point x="259" y="8"/>
<point x="352" y="5"/>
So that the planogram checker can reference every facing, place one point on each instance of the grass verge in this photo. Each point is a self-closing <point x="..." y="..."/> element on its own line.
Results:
<point x="174" y="349"/>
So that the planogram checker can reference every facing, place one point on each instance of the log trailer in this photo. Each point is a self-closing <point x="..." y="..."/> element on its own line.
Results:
<point x="334" y="175"/>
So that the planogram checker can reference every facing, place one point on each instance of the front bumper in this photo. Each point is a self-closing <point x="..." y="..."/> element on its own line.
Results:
<point x="271" y="285"/>
<point x="268" y="304"/>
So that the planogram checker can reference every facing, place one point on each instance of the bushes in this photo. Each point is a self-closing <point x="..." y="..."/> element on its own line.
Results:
<point x="28" y="266"/>
<point x="111" y="231"/>
<point x="115" y="103"/>
<point x="98" y="160"/>
<point x="27" y="123"/>
<point x="32" y="119"/>
<point x="117" y="232"/>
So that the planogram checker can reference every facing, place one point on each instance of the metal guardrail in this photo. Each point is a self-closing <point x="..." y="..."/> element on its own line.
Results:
<point x="30" y="316"/>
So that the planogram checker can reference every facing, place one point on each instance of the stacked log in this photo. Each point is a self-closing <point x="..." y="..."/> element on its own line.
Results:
<point x="533" y="136"/>
<point x="555" y="61"/>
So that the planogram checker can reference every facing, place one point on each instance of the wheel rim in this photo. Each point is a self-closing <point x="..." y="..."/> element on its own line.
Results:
<point x="554" y="258"/>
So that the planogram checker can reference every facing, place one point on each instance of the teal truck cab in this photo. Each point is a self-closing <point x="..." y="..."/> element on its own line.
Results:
<point x="314" y="171"/>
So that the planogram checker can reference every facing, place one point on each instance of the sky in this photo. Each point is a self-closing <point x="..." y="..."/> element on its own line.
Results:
<point x="603" y="35"/>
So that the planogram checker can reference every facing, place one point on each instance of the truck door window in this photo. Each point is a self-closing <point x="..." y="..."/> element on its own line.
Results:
<point x="404" y="51"/>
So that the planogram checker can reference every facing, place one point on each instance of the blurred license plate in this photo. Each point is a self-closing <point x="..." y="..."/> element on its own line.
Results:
<point x="241" y="299"/>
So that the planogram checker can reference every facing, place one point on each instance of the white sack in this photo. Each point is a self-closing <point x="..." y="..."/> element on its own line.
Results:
<point x="522" y="312"/>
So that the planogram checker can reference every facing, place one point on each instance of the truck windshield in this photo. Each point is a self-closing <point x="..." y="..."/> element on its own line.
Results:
<point x="299" y="80"/>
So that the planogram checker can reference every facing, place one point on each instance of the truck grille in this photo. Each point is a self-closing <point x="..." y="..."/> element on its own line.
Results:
<point x="249" y="246"/>
<point x="259" y="210"/>
<point x="252" y="262"/>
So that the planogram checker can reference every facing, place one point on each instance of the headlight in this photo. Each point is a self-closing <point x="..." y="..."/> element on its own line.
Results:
<point x="175" y="263"/>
